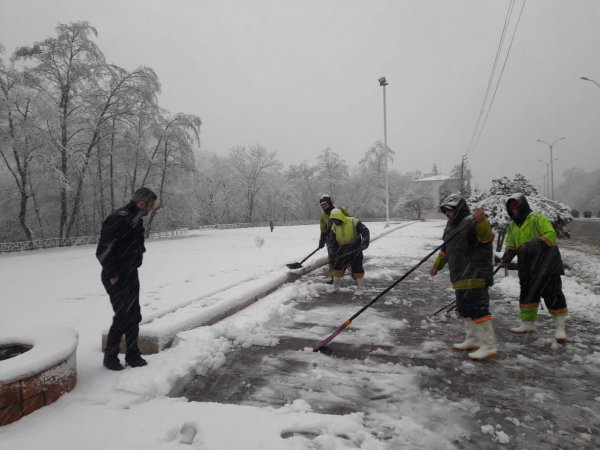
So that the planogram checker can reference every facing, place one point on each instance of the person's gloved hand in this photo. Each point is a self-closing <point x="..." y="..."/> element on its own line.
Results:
<point x="364" y="244"/>
<point x="478" y="215"/>
<point x="321" y="242"/>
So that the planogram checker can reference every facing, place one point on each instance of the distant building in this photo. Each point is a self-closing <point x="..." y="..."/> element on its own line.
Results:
<point x="437" y="187"/>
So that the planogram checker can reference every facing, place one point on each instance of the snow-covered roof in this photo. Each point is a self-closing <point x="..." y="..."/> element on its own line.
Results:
<point x="436" y="178"/>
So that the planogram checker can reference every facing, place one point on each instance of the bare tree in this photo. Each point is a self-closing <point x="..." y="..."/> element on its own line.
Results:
<point x="176" y="139"/>
<point x="115" y="96"/>
<point x="252" y="166"/>
<point x="18" y="144"/>
<point x="62" y="65"/>
<point x="333" y="171"/>
<point x="303" y="179"/>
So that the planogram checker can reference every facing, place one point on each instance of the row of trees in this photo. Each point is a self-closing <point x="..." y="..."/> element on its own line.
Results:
<point x="78" y="135"/>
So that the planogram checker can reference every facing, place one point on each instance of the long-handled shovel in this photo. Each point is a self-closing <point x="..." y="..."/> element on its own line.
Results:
<point x="341" y="328"/>
<point x="450" y="306"/>
<point x="298" y="265"/>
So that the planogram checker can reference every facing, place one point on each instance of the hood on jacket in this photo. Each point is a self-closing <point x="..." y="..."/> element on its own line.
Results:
<point x="524" y="208"/>
<point x="457" y="204"/>
<point x="337" y="214"/>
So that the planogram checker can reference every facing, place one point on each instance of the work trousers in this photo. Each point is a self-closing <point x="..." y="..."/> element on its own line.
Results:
<point x="125" y="300"/>
<point x="348" y="255"/>
<point x="473" y="303"/>
<point x="533" y="289"/>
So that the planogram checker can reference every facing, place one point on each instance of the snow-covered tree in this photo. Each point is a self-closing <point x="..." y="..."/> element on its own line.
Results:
<point x="494" y="203"/>
<point x="413" y="202"/>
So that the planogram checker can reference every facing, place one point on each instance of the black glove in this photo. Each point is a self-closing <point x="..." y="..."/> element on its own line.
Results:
<point x="321" y="241"/>
<point x="364" y="244"/>
<point x="508" y="256"/>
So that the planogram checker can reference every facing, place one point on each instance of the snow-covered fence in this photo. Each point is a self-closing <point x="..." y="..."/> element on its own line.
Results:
<point x="79" y="240"/>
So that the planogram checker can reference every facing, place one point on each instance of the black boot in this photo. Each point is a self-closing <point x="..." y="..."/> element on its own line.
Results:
<point x="112" y="363"/>
<point x="330" y="281"/>
<point x="135" y="361"/>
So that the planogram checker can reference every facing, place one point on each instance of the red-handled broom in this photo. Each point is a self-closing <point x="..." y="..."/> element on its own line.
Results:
<point x="341" y="328"/>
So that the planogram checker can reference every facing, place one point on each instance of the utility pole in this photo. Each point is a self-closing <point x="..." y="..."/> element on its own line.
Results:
<point x="463" y="163"/>
<point x="383" y="83"/>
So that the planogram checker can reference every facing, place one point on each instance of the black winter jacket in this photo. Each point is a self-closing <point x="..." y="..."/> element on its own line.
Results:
<point x="121" y="245"/>
<point x="468" y="249"/>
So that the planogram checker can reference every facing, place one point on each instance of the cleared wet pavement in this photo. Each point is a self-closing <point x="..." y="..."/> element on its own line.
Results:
<point x="394" y="364"/>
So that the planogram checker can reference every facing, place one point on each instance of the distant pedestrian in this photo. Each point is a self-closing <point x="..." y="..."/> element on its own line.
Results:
<point x="271" y="225"/>
<point x="531" y="237"/>
<point x="120" y="252"/>
<point x="352" y="237"/>
<point x="326" y="237"/>
<point x="469" y="257"/>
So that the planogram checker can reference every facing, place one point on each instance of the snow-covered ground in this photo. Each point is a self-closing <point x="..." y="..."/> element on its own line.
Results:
<point x="132" y="409"/>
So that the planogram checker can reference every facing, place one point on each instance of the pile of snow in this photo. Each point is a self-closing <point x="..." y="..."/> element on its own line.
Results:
<point x="495" y="207"/>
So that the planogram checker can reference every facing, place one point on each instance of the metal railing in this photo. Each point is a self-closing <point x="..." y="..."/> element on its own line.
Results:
<point x="79" y="240"/>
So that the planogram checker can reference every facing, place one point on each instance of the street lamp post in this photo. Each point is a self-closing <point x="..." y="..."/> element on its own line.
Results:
<point x="546" y="177"/>
<point x="590" y="80"/>
<point x="383" y="83"/>
<point x="551" y="162"/>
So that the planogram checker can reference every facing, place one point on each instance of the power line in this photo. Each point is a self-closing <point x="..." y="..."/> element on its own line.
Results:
<point x="491" y="79"/>
<point x="474" y="144"/>
<point x="500" y="77"/>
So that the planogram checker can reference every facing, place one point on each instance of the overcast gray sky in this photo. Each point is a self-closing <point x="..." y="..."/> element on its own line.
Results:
<point x="297" y="76"/>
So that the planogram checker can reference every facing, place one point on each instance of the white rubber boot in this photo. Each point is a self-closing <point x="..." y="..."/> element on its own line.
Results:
<point x="525" y="327"/>
<point x="560" y="334"/>
<point x="470" y="342"/>
<point x="360" y="287"/>
<point x="487" y="341"/>
<point x="335" y="287"/>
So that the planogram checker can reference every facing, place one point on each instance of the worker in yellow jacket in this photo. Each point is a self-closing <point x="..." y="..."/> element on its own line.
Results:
<point x="531" y="238"/>
<point x="352" y="237"/>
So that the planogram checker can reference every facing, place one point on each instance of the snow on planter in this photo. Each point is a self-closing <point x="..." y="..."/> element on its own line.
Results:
<point x="38" y="369"/>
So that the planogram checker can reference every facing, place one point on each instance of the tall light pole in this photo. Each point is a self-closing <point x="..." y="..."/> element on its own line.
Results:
<point x="383" y="83"/>
<point x="551" y="162"/>
<point x="546" y="177"/>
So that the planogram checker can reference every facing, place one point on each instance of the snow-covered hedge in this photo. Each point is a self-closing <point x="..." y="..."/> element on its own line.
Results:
<point x="495" y="208"/>
<point x="494" y="203"/>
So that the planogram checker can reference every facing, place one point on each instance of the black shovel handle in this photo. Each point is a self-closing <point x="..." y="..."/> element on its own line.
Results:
<point x="315" y="251"/>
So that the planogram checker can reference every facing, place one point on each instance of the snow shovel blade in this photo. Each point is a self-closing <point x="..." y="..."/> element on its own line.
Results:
<point x="298" y="265"/>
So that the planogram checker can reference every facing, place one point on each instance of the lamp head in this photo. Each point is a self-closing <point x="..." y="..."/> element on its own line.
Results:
<point x="383" y="82"/>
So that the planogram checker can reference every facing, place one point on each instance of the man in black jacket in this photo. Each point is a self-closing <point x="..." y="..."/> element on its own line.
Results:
<point x="120" y="251"/>
<point x="468" y="252"/>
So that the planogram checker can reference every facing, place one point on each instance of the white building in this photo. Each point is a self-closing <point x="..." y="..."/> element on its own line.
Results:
<point x="437" y="187"/>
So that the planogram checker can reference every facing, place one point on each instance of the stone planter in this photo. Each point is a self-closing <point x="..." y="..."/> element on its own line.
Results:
<point x="36" y="368"/>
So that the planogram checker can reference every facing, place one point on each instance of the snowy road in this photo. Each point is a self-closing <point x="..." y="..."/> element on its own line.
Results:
<point x="262" y="386"/>
<point x="394" y="365"/>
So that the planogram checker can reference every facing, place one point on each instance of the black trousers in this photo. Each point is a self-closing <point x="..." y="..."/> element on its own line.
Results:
<point x="125" y="300"/>
<point x="473" y="303"/>
<point x="548" y="287"/>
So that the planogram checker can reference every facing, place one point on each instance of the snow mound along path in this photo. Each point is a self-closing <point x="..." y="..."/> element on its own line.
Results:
<point x="159" y="333"/>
